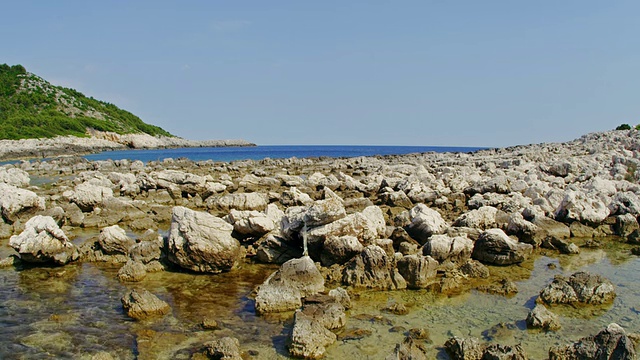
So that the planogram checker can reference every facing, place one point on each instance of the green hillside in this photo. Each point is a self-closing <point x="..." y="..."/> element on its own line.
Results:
<point x="31" y="107"/>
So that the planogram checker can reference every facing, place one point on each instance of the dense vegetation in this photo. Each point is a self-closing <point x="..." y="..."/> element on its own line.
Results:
<point x="33" y="108"/>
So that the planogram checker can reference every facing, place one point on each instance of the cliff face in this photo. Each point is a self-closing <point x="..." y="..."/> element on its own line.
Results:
<point x="31" y="107"/>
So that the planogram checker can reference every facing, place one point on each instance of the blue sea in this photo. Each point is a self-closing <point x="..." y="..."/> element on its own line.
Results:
<point x="227" y="154"/>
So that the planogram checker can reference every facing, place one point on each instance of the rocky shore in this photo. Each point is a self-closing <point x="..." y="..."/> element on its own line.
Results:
<point x="339" y="228"/>
<point x="98" y="141"/>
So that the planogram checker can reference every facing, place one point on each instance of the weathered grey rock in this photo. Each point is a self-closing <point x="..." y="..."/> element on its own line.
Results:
<point x="482" y="218"/>
<point x="625" y="203"/>
<point x="419" y="271"/>
<point x="201" y="242"/>
<point x="474" y="269"/>
<point x="425" y="222"/>
<point x="255" y="223"/>
<point x="226" y="348"/>
<point x="540" y="317"/>
<point x="140" y="304"/>
<point x="464" y="348"/>
<point x="372" y="268"/>
<point x="504" y="352"/>
<point x="284" y="289"/>
<point x="309" y="338"/>
<point x="237" y="201"/>
<point x="324" y="212"/>
<point x="581" y="287"/>
<point x="342" y="296"/>
<point x="88" y="195"/>
<point x="626" y="224"/>
<point x="42" y="241"/>
<point x="395" y="198"/>
<point x="145" y="251"/>
<point x="610" y="343"/>
<point x="14" y="201"/>
<point x="14" y="177"/>
<point x="276" y="250"/>
<point x="327" y="310"/>
<point x="409" y="349"/>
<point x="339" y="250"/>
<point x="578" y="206"/>
<point x="442" y="247"/>
<point x="132" y="271"/>
<point x="292" y="222"/>
<point x="114" y="240"/>
<point x="495" y="247"/>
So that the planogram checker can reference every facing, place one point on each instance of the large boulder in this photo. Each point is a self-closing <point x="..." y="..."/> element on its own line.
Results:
<point x="482" y="218"/>
<point x="309" y="338"/>
<point x="42" y="241"/>
<point x="274" y="249"/>
<point x="238" y="201"/>
<point x="581" y="287"/>
<point x="284" y="289"/>
<point x="443" y="247"/>
<point x="255" y="223"/>
<point x="495" y="247"/>
<point x="373" y="269"/>
<point x="610" y="343"/>
<point x="201" y="242"/>
<point x="88" y="195"/>
<point x="140" y="304"/>
<point x="114" y="240"/>
<point x="324" y="212"/>
<point x="425" y="222"/>
<point x="418" y="271"/>
<point x="14" y="176"/>
<point x="14" y="201"/>
<point x="339" y="250"/>
<point x="579" y="206"/>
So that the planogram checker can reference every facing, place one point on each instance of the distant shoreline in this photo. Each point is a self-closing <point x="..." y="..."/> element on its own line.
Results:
<point x="71" y="145"/>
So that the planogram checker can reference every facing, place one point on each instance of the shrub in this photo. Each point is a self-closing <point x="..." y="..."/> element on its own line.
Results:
<point x="624" y="127"/>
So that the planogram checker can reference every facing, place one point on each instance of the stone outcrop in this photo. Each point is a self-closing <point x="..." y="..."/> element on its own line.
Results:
<point x="581" y="287"/>
<point x="495" y="247"/>
<point x="140" y="304"/>
<point x="372" y="269"/>
<point x="14" y="201"/>
<point x="42" y="241"/>
<point x="309" y="338"/>
<point x="610" y="343"/>
<point x="201" y="242"/>
<point x="417" y="270"/>
<point x="443" y="247"/>
<point x="425" y="222"/>
<point x="541" y="318"/>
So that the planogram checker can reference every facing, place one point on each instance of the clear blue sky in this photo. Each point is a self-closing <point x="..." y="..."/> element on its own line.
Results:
<point x="469" y="73"/>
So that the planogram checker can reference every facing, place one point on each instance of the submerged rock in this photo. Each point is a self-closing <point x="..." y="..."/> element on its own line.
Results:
<point x="42" y="241"/>
<point x="464" y="348"/>
<point x="226" y="348"/>
<point x="141" y="304"/>
<point x="581" y="287"/>
<point x="409" y="349"/>
<point x="201" y="242"/>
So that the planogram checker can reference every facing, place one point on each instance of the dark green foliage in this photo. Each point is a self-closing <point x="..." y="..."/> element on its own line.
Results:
<point x="37" y="112"/>
<point x="624" y="127"/>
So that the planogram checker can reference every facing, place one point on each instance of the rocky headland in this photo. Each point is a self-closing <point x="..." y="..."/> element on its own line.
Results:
<point x="97" y="141"/>
<point x="446" y="223"/>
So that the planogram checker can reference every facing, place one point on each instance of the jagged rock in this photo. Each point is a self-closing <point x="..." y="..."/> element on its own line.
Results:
<point x="327" y="310"/>
<point x="293" y="222"/>
<point x="14" y="201"/>
<point x="581" y="287"/>
<point x="504" y="352"/>
<point x="132" y="271"/>
<point x="550" y="228"/>
<point x="495" y="247"/>
<point x="226" y="348"/>
<point x="372" y="268"/>
<point x="239" y="201"/>
<point x="339" y="250"/>
<point x="419" y="271"/>
<point x="309" y="338"/>
<point x="324" y="212"/>
<point x="255" y="223"/>
<point x="14" y="177"/>
<point x="409" y="349"/>
<point x="474" y="269"/>
<point x="201" y="242"/>
<point x="562" y="245"/>
<point x="442" y="247"/>
<point x="145" y="251"/>
<point x="464" y="348"/>
<point x="482" y="218"/>
<point x="276" y="250"/>
<point x="42" y="241"/>
<point x="342" y="296"/>
<point x="578" y="206"/>
<point x="425" y="222"/>
<point x="284" y="289"/>
<point x="395" y="198"/>
<point x="88" y="195"/>
<point x="540" y="317"/>
<point x="626" y="224"/>
<point x="140" y="304"/>
<point x="610" y="343"/>
<point x="114" y="240"/>
<point x="625" y="203"/>
<point x="504" y="287"/>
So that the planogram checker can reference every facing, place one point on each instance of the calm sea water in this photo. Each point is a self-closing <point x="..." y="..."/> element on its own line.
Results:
<point x="270" y="151"/>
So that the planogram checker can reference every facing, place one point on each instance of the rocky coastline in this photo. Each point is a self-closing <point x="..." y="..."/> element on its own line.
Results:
<point x="446" y="223"/>
<point x="97" y="141"/>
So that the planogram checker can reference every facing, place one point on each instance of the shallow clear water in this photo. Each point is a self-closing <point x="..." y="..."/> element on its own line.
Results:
<point x="75" y="311"/>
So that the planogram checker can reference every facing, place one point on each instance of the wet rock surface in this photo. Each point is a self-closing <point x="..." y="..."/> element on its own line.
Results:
<point x="581" y="287"/>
